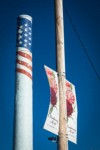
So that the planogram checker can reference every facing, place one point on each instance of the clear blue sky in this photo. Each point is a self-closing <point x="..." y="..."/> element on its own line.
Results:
<point x="85" y="15"/>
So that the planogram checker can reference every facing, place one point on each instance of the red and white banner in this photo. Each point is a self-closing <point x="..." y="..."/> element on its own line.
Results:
<point x="52" y="120"/>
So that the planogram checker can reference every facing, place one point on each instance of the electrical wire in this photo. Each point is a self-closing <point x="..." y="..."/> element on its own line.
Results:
<point x="84" y="48"/>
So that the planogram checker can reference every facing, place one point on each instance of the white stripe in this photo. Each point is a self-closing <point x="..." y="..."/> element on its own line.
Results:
<point x="25" y="50"/>
<point x="21" y="58"/>
<point x="24" y="68"/>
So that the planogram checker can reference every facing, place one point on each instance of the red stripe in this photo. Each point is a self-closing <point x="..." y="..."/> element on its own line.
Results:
<point x="24" y="55"/>
<point x="24" y="64"/>
<point x="24" y="72"/>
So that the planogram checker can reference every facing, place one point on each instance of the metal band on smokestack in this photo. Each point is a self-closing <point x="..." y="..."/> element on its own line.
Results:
<point x="23" y="131"/>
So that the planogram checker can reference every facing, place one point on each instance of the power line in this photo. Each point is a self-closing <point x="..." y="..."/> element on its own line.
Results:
<point x="84" y="48"/>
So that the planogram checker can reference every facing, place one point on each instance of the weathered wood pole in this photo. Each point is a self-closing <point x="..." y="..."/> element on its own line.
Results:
<point x="62" y="142"/>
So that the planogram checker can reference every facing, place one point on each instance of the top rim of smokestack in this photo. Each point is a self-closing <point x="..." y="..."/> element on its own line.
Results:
<point x="26" y="17"/>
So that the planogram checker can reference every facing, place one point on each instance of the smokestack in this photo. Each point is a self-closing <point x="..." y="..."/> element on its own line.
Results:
<point x="23" y="132"/>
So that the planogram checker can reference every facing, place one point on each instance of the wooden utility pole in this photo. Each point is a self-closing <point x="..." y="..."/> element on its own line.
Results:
<point x="62" y="138"/>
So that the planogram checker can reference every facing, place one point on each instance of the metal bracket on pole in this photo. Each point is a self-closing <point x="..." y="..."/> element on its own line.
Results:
<point x="61" y="74"/>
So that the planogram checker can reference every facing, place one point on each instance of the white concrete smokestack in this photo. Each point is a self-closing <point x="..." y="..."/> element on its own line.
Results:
<point x="23" y="132"/>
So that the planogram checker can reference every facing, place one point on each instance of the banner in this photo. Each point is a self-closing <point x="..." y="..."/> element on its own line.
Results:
<point x="52" y="120"/>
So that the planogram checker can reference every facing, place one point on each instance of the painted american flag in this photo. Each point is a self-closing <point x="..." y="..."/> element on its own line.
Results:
<point x="24" y="45"/>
